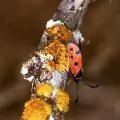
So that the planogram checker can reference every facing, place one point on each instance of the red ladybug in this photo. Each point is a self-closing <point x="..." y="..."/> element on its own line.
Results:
<point x="75" y="58"/>
<point x="76" y="64"/>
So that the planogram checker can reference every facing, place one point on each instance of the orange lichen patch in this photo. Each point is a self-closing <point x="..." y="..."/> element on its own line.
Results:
<point x="60" y="32"/>
<point x="36" y="109"/>
<point x="60" y="61"/>
<point x="62" y="100"/>
<point x="44" y="89"/>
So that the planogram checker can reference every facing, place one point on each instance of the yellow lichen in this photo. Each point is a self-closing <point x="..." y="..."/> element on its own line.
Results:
<point x="60" y="61"/>
<point x="62" y="100"/>
<point x="60" y="32"/>
<point x="36" y="109"/>
<point x="44" y="89"/>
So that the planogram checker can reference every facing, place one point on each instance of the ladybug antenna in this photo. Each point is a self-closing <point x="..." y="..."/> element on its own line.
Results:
<point x="77" y="96"/>
<point x="94" y="85"/>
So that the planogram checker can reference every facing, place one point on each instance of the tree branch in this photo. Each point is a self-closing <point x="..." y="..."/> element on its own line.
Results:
<point x="71" y="12"/>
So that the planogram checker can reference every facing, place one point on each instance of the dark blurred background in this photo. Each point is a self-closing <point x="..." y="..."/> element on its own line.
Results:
<point x="21" y="25"/>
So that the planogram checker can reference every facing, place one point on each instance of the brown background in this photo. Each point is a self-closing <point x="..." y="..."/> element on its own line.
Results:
<point x="21" y="25"/>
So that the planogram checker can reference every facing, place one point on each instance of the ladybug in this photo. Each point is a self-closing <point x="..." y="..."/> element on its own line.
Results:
<point x="76" y="64"/>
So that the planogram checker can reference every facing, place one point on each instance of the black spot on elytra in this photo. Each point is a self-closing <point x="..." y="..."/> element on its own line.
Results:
<point x="76" y="63"/>
<point x="71" y="49"/>
<point x="72" y="57"/>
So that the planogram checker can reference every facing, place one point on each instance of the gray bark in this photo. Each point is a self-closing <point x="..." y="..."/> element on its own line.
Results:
<point x="71" y="12"/>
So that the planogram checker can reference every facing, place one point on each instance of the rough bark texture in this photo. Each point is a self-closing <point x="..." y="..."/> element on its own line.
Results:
<point x="71" y="12"/>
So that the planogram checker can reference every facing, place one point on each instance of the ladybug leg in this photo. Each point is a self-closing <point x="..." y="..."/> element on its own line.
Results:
<point x="77" y="96"/>
<point x="69" y="82"/>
